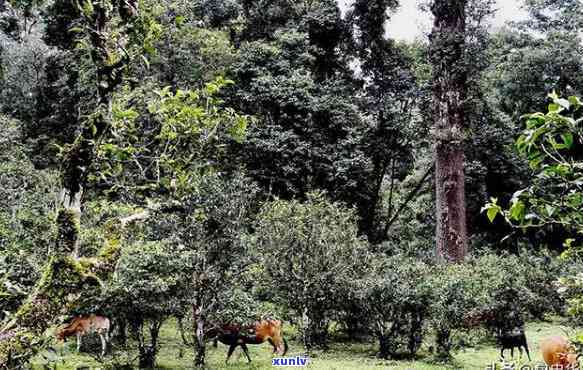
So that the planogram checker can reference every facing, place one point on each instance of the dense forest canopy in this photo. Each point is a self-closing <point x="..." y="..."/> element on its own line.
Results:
<point x="219" y="161"/>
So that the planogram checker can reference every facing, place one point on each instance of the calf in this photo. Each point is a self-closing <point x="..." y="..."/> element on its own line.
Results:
<point x="83" y="325"/>
<point x="512" y="339"/>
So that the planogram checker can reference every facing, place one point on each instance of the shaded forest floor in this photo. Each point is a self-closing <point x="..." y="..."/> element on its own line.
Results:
<point x="341" y="356"/>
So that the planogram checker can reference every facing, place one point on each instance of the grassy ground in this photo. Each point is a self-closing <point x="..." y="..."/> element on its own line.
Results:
<point x="341" y="356"/>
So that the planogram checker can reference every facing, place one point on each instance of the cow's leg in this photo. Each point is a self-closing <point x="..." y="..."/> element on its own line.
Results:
<point x="103" y="343"/>
<point x="231" y="350"/>
<point x="78" y="342"/>
<point x="246" y="350"/>
<point x="502" y="353"/>
<point x="272" y="344"/>
<point x="527" y="352"/>
<point x="512" y="352"/>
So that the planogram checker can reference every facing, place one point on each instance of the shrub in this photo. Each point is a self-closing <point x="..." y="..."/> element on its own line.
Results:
<point x="498" y="293"/>
<point x="311" y="252"/>
<point x="456" y="292"/>
<point x="394" y="300"/>
<point x="516" y="289"/>
<point x="147" y="288"/>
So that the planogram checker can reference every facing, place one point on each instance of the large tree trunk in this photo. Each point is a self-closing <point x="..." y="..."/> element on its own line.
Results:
<point x="449" y="90"/>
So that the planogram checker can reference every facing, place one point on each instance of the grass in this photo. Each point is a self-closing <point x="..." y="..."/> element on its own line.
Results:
<point x="341" y="356"/>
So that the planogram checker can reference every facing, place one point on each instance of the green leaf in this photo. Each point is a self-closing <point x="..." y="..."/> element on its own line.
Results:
<point x="568" y="140"/>
<point x="88" y="8"/>
<point x="179" y="20"/>
<point x="575" y="102"/>
<point x="554" y="108"/>
<point x="146" y="61"/>
<point x="550" y="210"/>
<point x="492" y="213"/>
<point x="517" y="211"/>
<point x="553" y="95"/>
<point x="492" y="209"/>
<point x="75" y="29"/>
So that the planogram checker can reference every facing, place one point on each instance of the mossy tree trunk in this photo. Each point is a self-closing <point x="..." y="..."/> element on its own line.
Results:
<point x="449" y="94"/>
<point x="65" y="283"/>
<point x="81" y="154"/>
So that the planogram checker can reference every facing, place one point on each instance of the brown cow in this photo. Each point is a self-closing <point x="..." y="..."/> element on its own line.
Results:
<point x="261" y="331"/>
<point x="558" y="352"/>
<point x="83" y="325"/>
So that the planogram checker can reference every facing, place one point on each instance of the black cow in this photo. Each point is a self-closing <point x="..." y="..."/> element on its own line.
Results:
<point x="511" y="339"/>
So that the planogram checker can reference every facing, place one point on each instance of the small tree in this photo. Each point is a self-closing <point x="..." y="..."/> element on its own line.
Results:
<point x="205" y="227"/>
<point x="454" y="296"/>
<point x="310" y="251"/>
<point x="147" y="288"/>
<point x="396" y="300"/>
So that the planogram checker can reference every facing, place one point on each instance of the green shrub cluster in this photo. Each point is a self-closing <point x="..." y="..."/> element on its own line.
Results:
<point x="402" y="299"/>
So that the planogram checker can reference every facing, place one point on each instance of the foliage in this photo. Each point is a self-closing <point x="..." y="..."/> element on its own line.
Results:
<point x="147" y="283"/>
<point x="183" y="116"/>
<point x="390" y="91"/>
<point x="310" y="252"/>
<point x="16" y="348"/>
<point x="571" y="288"/>
<point x="395" y="298"/>
<point x="17" y="277"/>
<point x="147" y="288"/>
<point x="499" y="293"/>
<point x="552" y="144"/>
<point x="164" y="140"/>
<point x="205" y="227"/>
<point x="27" y="198"/>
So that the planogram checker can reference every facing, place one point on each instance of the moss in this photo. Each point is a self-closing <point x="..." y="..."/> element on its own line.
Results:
<point x="17" y="347"/>
<point x="68" y="230"/>
<point x="109" y="254"/>
<point x="66" y="286"/>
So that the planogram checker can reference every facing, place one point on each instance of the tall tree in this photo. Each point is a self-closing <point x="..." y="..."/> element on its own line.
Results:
<point x="449" y="92"/>
<point x="388" y="100"/>
<point x="65" y="285"/>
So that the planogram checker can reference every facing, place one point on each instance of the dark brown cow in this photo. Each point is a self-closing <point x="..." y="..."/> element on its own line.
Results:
<point x="260" y="332"/>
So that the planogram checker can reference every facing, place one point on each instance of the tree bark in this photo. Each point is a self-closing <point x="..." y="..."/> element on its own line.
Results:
<point x="147" y="358"/>
<point x="200" y="346"/>
<point x="80" y="155"/>
<point x="443" y="342"/>
<point x="384" y="347"/>
<point x="306" y="337"/>
<point x="449" y="92"/>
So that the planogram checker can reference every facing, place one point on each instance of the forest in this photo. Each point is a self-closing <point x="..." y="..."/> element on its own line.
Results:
<point x="181" y="180"/>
